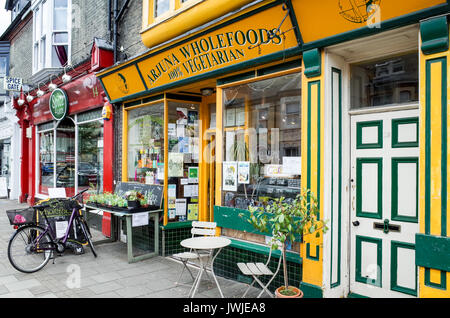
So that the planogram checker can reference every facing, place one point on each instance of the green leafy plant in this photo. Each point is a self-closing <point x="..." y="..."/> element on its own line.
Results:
<point x="286" y="221"/>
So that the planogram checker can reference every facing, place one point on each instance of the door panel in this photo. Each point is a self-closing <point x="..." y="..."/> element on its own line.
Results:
<point x="384" y="209"/>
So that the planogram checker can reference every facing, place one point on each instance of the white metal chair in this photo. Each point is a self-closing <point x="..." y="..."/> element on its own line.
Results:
<point x="198" y="229"/>
<point x="256" y="270"/>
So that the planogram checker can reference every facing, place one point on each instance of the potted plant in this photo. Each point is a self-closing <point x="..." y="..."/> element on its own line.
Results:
<point x="287" y="220"/>
<point x="133" y="199"/>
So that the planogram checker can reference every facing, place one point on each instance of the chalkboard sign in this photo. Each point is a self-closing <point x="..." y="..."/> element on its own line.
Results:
<point x="153" y="192"/>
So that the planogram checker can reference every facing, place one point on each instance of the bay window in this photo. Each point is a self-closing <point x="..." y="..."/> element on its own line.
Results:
<point x="51" y="34"/>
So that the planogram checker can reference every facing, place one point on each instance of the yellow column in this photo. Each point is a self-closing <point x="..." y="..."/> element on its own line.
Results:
<point x="313" y="170"/>
<point x="434" y="164"/>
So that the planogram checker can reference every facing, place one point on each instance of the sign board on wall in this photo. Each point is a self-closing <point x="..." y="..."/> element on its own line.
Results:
<point x="224" y="45"/>
<point x="12" y="84"/>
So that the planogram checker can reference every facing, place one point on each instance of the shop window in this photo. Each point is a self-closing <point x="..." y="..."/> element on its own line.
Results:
<point x="51" y="37"/>
<point x="65" y="156"/>
<point x="183" y="170"/>
<point x="146" y="144"/>
<point x="46" y="160"/>
<point x="4" y="64"/>
<point x="90" y="155"/>
<point x="262" y="141"/>
<point x="389" y="81"/>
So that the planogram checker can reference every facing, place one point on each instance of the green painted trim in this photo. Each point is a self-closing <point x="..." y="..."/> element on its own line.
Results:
<point x="434" y="35"/>
<point x="176" y="225"/>
<point x="358" y="276"/>
<point x="443" y="283"/>
<point x="364" y="124"/>
<point x="153" y="98"/>
<point x="427" y="195"/>
<point x="339" y="185"/>
<point x="264" y="250"/>
<point x="181" y="97"/>
<point x="359" y="212"/>
<point x="395" y="188"/>
<point x="354" y="295"/>
<point x="230" y="218"/>
<point x="433" y="252"/>
<point x="390" y="24"/>
<point x="313" y="63"/>
<point x="311" y="291"/>
<point x="142" y="77"/>
<point x="394" y="268"/>
<point x="133" y="103"/>
<point x="403" y="121"/>
<point x="308" y="252"/>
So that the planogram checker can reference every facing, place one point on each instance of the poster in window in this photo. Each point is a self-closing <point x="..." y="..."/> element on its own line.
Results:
<point x="175" y="164"/>
<point x="193" y="174"/>
<point x="240" y="116"/>
<point x="230" y="117"/>
<point x="230" y="176"/>
<point x="172" y="130"/>
<point x="192" y="116"/>
<point x="192" y="212"/>
<point x="180" y="207"/>
<point x="244" y="172"/>
<point x="182" y="116"/>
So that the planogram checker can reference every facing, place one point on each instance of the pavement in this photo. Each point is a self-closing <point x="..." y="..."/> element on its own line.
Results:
<point x="107" y="276"/>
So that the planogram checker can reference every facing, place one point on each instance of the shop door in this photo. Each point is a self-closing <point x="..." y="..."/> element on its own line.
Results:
<point x="209" y="152"/>
<point x="384" y="203"/>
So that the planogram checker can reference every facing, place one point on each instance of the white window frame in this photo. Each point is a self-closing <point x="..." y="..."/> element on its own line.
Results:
<point x="147" y="4"/>
<point x="47" y="23"/>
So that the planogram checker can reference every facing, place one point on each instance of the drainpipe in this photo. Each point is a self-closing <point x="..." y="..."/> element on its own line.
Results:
<point x="115" y="27"/>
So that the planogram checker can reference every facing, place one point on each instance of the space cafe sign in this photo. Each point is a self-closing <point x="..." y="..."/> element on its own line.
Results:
<point x="12" y="84"/>
<point x="228" y="44"/>
<point x="59" y="104"/>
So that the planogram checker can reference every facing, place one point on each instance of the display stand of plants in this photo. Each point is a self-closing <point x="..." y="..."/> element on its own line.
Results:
<point x="286" y="220"/>
<point x="131" y="201"/>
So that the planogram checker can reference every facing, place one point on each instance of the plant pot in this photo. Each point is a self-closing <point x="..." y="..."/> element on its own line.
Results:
<point x="134" y="204"/>
<point x="298" y="292"/>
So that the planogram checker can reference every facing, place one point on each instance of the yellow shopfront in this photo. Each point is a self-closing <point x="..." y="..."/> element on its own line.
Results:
<point x="268" y="99"/>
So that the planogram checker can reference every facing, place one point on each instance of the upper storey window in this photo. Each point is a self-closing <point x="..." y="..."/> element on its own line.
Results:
<point x="51" y="34"/>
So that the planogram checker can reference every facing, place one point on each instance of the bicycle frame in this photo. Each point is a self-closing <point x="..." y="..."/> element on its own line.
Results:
<point x="49" y="230"/>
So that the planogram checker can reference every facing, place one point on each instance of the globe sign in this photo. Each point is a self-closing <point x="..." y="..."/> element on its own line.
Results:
<point x="357" y="11"/>
<point x="59" y="104"/>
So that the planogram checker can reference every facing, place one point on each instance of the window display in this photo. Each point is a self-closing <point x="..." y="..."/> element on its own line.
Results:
<point x="389" y="81"/>
<point x="46" y="161"/>
<point x="183" y="127"/>
<point x="146" y="144"/>
<point x="262" y="141"/>
<point x="90" y="156"/>
<point x="65" y="156"/>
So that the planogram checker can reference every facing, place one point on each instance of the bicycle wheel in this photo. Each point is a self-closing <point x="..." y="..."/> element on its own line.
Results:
<point x="29" y="249"/>
<point x="87" y="235"/>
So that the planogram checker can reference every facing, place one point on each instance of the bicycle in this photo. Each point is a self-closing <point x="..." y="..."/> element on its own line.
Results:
<point x="32" y="245"/>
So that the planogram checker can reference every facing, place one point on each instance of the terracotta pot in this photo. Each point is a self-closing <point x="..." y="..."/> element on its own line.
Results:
<point x="298" y="292"/>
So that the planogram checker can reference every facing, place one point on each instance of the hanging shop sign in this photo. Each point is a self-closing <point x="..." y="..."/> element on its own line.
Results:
<point x="84" y="93"/>
<point x="208" y="53"/>
<point x="59" y="104"/>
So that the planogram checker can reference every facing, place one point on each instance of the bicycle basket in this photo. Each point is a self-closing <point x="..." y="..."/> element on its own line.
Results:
<point x="21" y="216"/>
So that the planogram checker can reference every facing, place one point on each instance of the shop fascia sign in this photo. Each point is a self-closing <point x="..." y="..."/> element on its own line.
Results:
<point x="229" y="44"/>
<point x="12" y="84"/>
<point x="59" y="104"/>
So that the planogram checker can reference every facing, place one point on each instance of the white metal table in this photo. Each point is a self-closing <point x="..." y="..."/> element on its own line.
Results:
<point x="205" y="243"/>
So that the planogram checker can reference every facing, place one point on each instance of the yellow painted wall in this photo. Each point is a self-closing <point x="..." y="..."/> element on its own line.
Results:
<point x="314" y="122"/>
<point x="183" y="18"/>
<point x="435" y="76"/>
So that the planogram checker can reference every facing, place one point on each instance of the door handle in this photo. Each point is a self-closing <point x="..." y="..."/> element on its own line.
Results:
<point x="355" y="223"/>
